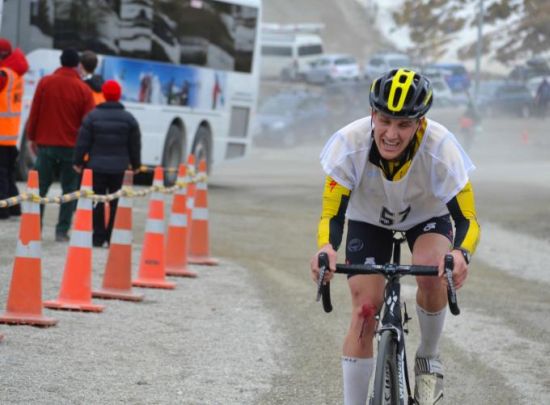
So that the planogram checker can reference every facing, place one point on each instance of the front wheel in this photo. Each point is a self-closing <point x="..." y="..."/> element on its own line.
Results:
<point x="386" y="377"/>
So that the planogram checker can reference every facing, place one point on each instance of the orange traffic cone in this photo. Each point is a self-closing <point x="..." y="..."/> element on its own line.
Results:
<point x="176" y="241"/>
<point x="76" y="292"/>
<point x="25" y="297"/>
<point x="117" y="280"/>
<point x="152" y="266"/>
<point x="198" y="249"/>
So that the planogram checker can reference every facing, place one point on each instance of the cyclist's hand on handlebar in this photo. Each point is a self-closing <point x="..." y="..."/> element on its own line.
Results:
<point x="460" y="269"/>
<point x="314" y="264"/>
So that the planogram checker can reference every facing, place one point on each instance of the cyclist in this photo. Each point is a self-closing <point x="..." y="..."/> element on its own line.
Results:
<point x="396" y="170"/>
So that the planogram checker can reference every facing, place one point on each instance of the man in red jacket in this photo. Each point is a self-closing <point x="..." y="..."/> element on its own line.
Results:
<point x="13" y="65"/>
<point x="60" y="102"/>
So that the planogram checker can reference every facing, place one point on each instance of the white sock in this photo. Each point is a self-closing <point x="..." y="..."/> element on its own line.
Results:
<point x="357" y="374"/>
<point x="431" y="326"/>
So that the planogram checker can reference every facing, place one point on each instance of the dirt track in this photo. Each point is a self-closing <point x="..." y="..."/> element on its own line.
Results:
<point x="495" y="352"/>
<point x="250" y="332"/>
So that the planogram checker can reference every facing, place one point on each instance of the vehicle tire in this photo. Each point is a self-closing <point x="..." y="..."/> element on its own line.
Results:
<point x="173" y="154"/>
<point x="202" y="147"/>
<point x="25" y="160"/>
<point x="386" y="379"/>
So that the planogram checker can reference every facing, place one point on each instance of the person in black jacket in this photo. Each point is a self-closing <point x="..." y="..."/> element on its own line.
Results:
<point x="110" y="136"/>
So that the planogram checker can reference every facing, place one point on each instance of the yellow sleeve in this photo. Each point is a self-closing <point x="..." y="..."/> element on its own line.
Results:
<point x="331" y="224"/>
<point x="463" y="211"/>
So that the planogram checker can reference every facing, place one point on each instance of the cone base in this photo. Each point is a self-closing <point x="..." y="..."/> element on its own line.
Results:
<point x="204" y="260"/>
<point x="180" y="272"/>
<point x="117" y="294"/>
<point x="74" y="306"/>
<point x="27" y="319"/>
<point x="150" y="283"/>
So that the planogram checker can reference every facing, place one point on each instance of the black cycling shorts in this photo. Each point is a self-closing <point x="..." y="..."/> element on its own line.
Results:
<point x="370" y="241"/>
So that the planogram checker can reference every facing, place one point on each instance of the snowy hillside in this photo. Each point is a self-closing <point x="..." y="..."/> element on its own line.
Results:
<point x="349" y="28"/>
<point x="399" y="36"/>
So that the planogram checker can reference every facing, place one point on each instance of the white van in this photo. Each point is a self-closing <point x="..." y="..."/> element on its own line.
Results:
<point x="287" y="50"/>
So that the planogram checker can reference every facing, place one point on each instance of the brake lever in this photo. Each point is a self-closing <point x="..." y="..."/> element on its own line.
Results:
<point x="323" y="267"/>
<point x="451" y="290"/>
<point x="323" y="290"/>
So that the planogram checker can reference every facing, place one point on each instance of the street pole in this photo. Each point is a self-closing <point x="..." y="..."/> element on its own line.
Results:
<point x="479" y="47"/>
<point x="1" y="13"/>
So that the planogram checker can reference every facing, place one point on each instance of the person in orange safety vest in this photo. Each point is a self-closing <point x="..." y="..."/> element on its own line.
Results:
<point x="13" y="65"/>
<point x="88" y="64"/>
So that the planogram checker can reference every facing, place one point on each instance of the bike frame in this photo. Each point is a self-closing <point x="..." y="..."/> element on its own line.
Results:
<point x="392" y="317"/>
<point x="392" y="320"/>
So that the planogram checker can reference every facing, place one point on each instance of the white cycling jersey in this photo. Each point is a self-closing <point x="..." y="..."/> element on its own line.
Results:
<point x="439" y="170"/>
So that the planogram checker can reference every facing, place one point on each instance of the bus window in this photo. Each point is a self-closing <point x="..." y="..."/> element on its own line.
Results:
<point x="188" y="68"/>
<point x="214" y="34"/>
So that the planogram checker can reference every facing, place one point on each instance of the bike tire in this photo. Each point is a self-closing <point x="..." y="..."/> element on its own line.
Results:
<point x="386" y="378"/>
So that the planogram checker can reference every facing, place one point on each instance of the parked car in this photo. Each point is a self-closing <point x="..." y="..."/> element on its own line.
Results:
<point x="380" y="63"/>
<point x="286" y="53"/>
<point x="534" y="67"/>
<point x="504" y="97"/>
<point x="455" y="74"/>
<point x="442" y="93"/>
<point x="332" y="68"/>
<point x="290" y="117"/>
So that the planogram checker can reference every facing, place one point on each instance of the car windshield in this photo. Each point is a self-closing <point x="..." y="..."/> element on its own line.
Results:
<point x="457" y="70"/>
<point x="344" y="61"/>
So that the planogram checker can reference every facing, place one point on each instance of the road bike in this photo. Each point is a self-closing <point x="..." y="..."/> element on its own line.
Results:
<point x="391" y="378"/>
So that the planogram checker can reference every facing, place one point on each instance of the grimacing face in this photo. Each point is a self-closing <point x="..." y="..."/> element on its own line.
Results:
<point x="392" y="135"/>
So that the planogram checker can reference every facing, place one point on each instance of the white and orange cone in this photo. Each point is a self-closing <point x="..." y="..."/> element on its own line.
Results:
<point x="177" y="238"/>
<point x="199" y="250"/>
<point x="76" y="291"/>
<point x="117" y="279"/>
<point x="152" y="266"/>
<point x="24" y="304"/>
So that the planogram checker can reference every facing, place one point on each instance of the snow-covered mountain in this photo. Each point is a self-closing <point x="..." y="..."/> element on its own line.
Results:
<point x="361" y="27"/>
<point x="400" y="38"/>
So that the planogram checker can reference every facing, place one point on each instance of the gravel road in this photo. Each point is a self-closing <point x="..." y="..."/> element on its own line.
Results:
<point x="249" y="331"/>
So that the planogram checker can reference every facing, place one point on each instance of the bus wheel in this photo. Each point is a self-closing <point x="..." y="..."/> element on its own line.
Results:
<point x="202" y="147"/>
<point x="172" y="155"/>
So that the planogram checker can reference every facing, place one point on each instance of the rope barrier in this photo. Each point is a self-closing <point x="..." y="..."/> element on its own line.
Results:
<point x="123" y="192"/>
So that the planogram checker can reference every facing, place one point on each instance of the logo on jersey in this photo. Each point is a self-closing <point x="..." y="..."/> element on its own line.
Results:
<point x="389" y="218"/>
<point x="332" y="184"/>
<point x="429" y="227"/>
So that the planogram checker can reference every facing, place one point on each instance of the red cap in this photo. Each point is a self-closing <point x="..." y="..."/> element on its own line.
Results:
<point x="111" y="90"/>
<point x="5" y="47"/>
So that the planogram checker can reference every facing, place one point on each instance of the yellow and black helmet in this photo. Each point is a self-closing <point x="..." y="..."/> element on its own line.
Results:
<point x="401" y="93"/>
